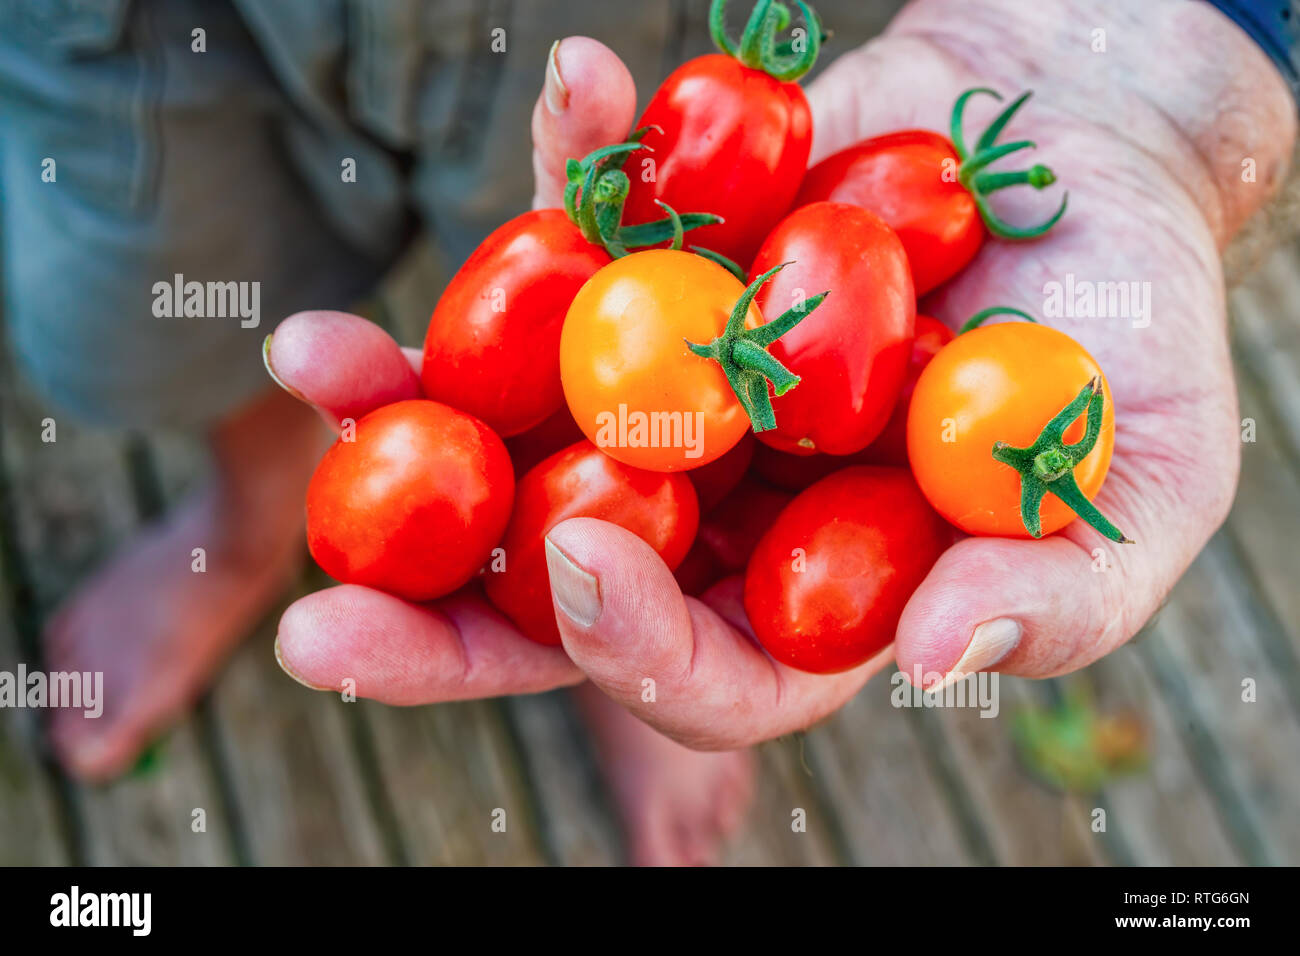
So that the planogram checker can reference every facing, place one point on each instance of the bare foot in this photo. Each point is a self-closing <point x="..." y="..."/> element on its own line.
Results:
<point x="157" y="628"/>
<point x="678" y="805"/>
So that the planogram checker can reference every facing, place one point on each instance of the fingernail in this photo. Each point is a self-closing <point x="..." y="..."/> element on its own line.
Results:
<point x="991" y="642"/>
<point x="554" y="90"/>
<point x="270" y="370"/>
<point x="577" y="593"/>
<point x="279" y="659"/>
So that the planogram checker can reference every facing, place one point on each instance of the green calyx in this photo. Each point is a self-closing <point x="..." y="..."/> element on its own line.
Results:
<point x="744" y="357"/>
<point x="973" y="173"/>
<point x="758" y="49"/>
<point x="1048" y="464"/>
<point x="596" y="192"/>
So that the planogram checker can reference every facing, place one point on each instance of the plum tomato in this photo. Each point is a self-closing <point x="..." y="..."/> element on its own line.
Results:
<point x="851" y="355"/>
<point x="731" y="132"/>
<point x="828" y="581"/>
<point x="932" y="190"/>
<point x="413" y="504"/>
<point x="890" y="446"/>
<point x="583" y="482"/>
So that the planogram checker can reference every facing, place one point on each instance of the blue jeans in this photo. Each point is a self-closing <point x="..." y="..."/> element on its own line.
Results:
<point x="132" y="163"/>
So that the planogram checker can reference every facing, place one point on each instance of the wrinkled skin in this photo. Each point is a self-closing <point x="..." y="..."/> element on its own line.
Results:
<point x="1201" y="96"/>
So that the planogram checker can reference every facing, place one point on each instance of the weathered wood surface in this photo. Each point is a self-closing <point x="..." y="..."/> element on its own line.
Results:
<point x="286" y="775"/>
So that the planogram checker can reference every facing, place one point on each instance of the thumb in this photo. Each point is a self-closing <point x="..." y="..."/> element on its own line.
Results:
<point x="588" y="101"/>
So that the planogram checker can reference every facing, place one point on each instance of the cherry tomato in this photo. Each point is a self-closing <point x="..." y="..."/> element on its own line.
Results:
<point x="931" y="190"/>
<point x="852" y="352"/>
<point x="634" y="386"/>
<point x="890" y="446"/>
<point x="492" y="347"/>
<point x="414" y="504"/>
<point x="729" y="533"/>
<point x="796" y="472"/>
<point x="581" y="481"/>
<point x="733" y="135"/>
<point x="714" y="481"/>
<point x="557" y="432"/>
<point x="1002" y="383"/>
<point x="828" y="582"/>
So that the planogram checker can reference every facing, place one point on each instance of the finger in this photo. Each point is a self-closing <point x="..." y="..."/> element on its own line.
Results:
<point x="343" y="364"/>
<point x="402" y="653"/>
<point x="1048" y="607"/>
<point x="691" y="670"/>
<point x="588" y="101"/>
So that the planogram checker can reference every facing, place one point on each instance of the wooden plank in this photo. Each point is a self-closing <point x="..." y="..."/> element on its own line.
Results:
<point x="73" y="502"/>
<point x="877" y="774"/>
<point x="1165" y="816"/>
<point x="784" y="785"/>
<point x="30" y="830"/>
<point x="577" y="824"/>
<point x="1245" y="750"/>
<point x="450" y="771"/>
<point x="1025" y="822"/>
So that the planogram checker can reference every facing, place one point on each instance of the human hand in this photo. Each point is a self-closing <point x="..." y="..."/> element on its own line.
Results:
<point x="1152" y="156"/>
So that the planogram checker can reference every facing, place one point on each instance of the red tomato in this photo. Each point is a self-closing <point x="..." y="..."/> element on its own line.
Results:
<point x="828" y="582"/>
<point x="729" y="533"/>
<point x="797" y="472"/>
<point x="851" y="353"/>
<point x="493" y="345"/>
<point x="414" y="505"/>
<point x="932" y="190"/>
<point x="714" y="481"/>
<point x="900" y="177"/>
<point x="890" y="447"/>
<point x="558" y="431"/>
<point x="733" y="138"/>
<point x="583" y="482"/>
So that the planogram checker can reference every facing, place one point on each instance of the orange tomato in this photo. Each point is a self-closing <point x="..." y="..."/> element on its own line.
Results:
<point x="1001" y="383"/>
<point x="633" y="385"/>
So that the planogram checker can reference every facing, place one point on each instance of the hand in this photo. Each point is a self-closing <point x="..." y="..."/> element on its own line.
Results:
<point x="460" y="647"/>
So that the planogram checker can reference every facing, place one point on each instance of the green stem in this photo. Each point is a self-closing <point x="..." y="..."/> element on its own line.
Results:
<point x="1048" y="464"/>
<point x="742" y="353"/>
<point x="758" y="48"/>
<point x="972" y="175"/>
<point x="976" y="320"/>
<point x="596" y="191"/>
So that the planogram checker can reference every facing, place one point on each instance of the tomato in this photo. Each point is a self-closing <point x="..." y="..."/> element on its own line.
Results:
<point x="852" y="353"/>
<point x="640" y="380"/>
<point x="581" y="481"/>
<point x="414" y="504"/>
<point x="492" y="347"/>
<point x="543" y="441"/>
<point x="714" y="481"/>
<point x="733" y="135"/>
<point x="728" y="535"/>
<point x="890" y="446"/>
<point x="828" y="581"/>
<point x="1008" y="383"/>
<point x="931" y="190"/>
<point x="796" y="472"/>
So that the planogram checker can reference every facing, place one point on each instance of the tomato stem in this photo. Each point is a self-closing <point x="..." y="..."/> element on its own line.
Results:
<point x="597" y="190"/>
<point x="976" y="320"/>
<point x="1048" y="464"/>
<point x="743" y="354"/>
<point x="729" y="264"/>
<point x="786" y="61"/>
<point x="972" y="175"/>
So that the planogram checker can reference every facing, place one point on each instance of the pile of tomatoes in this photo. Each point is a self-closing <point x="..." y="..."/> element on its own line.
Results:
<point x="764" y="400"/>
